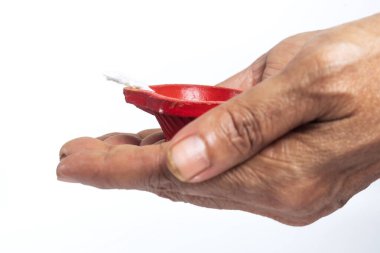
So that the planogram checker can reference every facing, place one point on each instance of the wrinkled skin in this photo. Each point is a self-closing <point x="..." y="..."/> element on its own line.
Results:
<point x="295" y="147"/>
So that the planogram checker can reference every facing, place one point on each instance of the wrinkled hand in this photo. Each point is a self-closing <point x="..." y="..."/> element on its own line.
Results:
<point x="295" y="148"/>
<point x="269" y="64"/>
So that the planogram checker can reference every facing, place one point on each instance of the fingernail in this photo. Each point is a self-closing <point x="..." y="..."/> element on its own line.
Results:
<point x="188" y="158"/>
<point x="61" y="175"/>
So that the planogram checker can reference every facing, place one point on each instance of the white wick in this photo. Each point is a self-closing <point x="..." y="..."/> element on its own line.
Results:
<point x="122" y="79"/>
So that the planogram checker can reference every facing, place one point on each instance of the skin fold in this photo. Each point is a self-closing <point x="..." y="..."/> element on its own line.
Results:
<point x="296" y="145"/>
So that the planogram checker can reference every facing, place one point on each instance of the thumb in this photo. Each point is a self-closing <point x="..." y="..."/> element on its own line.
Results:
<point x="238" y="129"/>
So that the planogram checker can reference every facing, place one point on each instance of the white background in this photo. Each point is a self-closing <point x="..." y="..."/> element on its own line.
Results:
<point x="52" y="57"/>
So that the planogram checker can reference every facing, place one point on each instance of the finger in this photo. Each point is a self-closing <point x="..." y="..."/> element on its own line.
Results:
<point x="247" y="77"/>
<point x="149" y="136"/>
<point x="93" y="162"/>
<point x="148" y="132"/>
<point x="105" y="136"/>
<point x="160" y="141"/>
<point x="83" y="143"/>
<point x="228" y="135"/>
<point x="153" y="138"/>
<point x="119" y="139"/>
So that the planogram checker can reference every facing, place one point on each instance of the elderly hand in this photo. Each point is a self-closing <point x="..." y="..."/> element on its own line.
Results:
<point x="295" y="148"/>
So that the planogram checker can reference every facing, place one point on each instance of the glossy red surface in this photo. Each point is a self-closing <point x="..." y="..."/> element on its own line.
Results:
<point x="175" y="105"/>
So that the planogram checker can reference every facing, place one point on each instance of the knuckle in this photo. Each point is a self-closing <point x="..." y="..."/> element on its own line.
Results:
<point x="304" y="198"/>
<point x="296" y="203"/>
<point x="241" y="128"/>
<point x="161" y="180"/>
<point x="340" y="203"/>
<point x="102" y="173"/>
<point x="317" y="61"/>
<point x="291" y="189"/>
<point x="327" y="55"/>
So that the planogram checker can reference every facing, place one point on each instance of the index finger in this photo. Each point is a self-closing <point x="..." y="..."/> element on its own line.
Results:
<point x="93" y="162"/>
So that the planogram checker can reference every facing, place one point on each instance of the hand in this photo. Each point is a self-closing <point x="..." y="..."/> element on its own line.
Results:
<point x="269" y="64"/>
<point x="294" y="148"/>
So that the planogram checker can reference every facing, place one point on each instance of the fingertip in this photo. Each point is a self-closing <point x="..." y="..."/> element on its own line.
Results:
<point x="62" y="174"/>
<point x="81" y="143"/>
<point x="86" y="167"/>
<point x="78" y="157"/>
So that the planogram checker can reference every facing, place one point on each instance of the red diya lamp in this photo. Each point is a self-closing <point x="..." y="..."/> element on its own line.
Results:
<point x="175" y="105"/>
